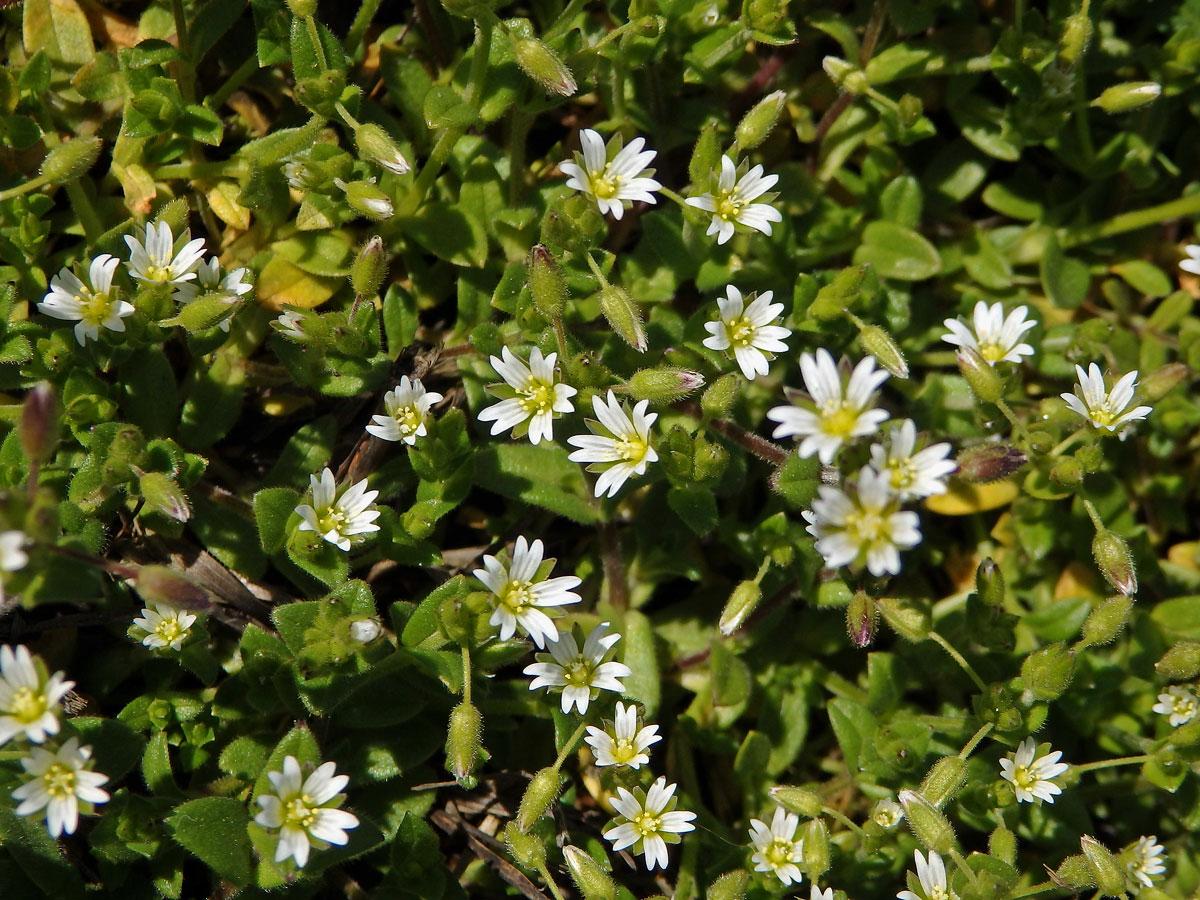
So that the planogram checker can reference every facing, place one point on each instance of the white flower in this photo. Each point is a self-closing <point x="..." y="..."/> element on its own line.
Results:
<point x="305" y="811"/>
<point x="531" y="396"/>
<point x="1179" y="703"/>
<point x="165" y="626"/>
<point x="1032" y="777"/>
<point x="731" y="204"/>
<point x="300" y="174"/>
<point x="1192" y="264"/>
<point x="887" y="813"/>
<point x="520" y="593"/>
<point x="289" y="323"/>
<point x="624" y="744"/>
<point x="932" y="875"/>
<point x="817" y="894"/>
<point x="616" y="182"/>
<point x="912" y="475"/>
<point x="29" y="697"/>
<point x="995" y="338"/>
<point x="1105" y="409"/>
<point x="1143" y="859"/>
<point x="581" y="674"/>
<point x="364" y="631"/>
<point x="867" y="527"/>
<point x="209" y="280"/>
<point x="153" y="259"/>
<point x="776" y="848"/>
<point x="338" y="511"/>
<point x="407" y="406"/>
<point x="60" y="781"/>
<point x="840" y="409"/>
<point x="12" y="555"/>
<point x="92" y="304"/>
<point x="748" y="330"/>
<point x="648" y="821"/>
<point x="618" y="447"/>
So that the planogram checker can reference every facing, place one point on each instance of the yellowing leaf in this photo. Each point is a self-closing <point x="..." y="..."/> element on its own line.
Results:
<point x="1077" y="580"/>
<point x="223" y="200"/>
<point x="964" y="499"/>
<point x="281" y="282"/>
<point x="60" y="28"/>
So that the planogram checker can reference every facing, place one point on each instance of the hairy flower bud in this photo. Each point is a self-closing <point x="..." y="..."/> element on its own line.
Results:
<point x="730" y="886"/>
<point x="366" y="199"/>
<point x="377" y="145"/>
<point x="462" y="740"/>
<point x="816" y="848"/>
<point x="911" y="110"/>
<point x="1108" y="873"/>
<point x="591" y="880"/>
<point x="1106" y="621"/>
<point x="39" y="423"/>
<point x="542" y="790"/>
<point x="1128" y="96"/>
<point x="862" y="618"/>
<point x="1181" y="662"/>
<point x="706" y="157"/>
<point x="709" y="459"/>
<point x="1047" y="672"/>
<point x="944" y="780"/>
<point x="988" y="462"/>
<point x="1077" y="34"/>
<point x="162" y="584"/>
<point x="1075" y="873"/>
<point x="302" y="9"/>
<point x="799" y="800"/>
<point x="741" y="603"/>
<point x="1002" y="844"/>
<point x="983" y="378"/>
<point x="848" y="77"/>
<point x="884" y="348"/>
<point x="547" y="283"/>
<point x="989" y="583"/>
<point x="527" y="850"/>
<point x="1114" y="561"/>
<point x="905" y="618"/>
<point x="928" y="824"/>
<point x="71" y="159"/>
<point x="623" y="315"/>
<point x="757" y="124"/>
<point x="163" y="493"/>
<point x="718" y="399"/>
<point x="1162" y="381"/>
<point x="542" y="64"/>
<point x="664" y="384"/>
<point x="369" y="268"/>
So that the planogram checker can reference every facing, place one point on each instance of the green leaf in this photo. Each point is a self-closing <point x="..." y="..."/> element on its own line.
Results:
<point x="448" y="233"/>
<point x="310" y="60"/>
<point x="156" y="766"/>
<point x="444" y="108"/>
<point x="901" y="202"/>
<point x="319" y="558"/>
<point x="797" y="480"/>
<point x="984" y="262"/>
<point x="38" y="858"/>
<point x="210" y="24"/>
<point x="418" y="867"/>
<point x="150" y="399"/>
<point x="898" y="252"/>
<point x="638" y="652"/>
<point x="1145" y="277"/>
<point x="200" y="124"/>
<point x="538" y="474"/>
<point x="696" y="506"/>
<point x="272" y="24"/>
<point x="214" y="400"/>
<point x="854" y="727"/>
<point x="1064" y="280"/>
<point x="229" y="534"/>
<point x="423" y="623"/>
<point x="326" y="253"/>
<point x="244" y="757"/>
<point x="116" y="748"/>
<point x="292" y="620"/>
<point x="729" y="676"/>
<point x="305" y="453"/>
<point x="214" y="830"/>
<point x="60" y="28"/>
<point x="1178" y="617"/>
<point x="273" y="507"/>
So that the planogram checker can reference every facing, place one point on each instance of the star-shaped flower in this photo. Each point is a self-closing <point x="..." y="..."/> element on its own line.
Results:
<point x="1032" y="775"/>
<point x="1143" y="860"/>
<point x="407" y="406"/>
<point x="29" y="696"/>
<point x="165" y="626"/>
<point x="995" y="338"/>
<point x="210" y="280"/>
<point x="912" y="474"/>
<point x="532" y="397"/>
<point x="647" y="821"/>
<point x="153" y="258"/>
<point x="92" y="305"/>
<point x="60" y="781"/>
<point x="1179" y="703"/>
<point x="621" y="742"/>
<point x="614" y="183"/>
<point x="931" y="873"/>
<point x="305" y="810"/>
<point x="776" y="848"/>
<point x="751" y="331"/>
<point x="1106" y="409"/>
<point x="865" y="527"/>
<point x="619" y="445"/>
<point x="523" y="592"/>
<point x="338" y="512"/>
<point x="732" y="203"/>
<point x="580" y="674"/>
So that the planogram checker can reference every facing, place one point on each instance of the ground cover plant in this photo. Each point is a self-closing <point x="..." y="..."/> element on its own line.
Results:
<point x="599" y="449"/>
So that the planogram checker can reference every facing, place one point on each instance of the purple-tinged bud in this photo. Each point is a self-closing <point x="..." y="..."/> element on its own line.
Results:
<point x="161" y="584"/>
<point x="623" y="315"/>
<point x="39" y="423"/>
<point x="862" y="618"/>
<point x="369" y="268"/>
<point x="884" y="348"/>
<point x="377" y="145"/>
<point x="161" y="492"/>
<point x="988" y="462"/>
<point x="1114" y="561"/>
<point x="543" y="65"/>
<point x="547" y="283"/>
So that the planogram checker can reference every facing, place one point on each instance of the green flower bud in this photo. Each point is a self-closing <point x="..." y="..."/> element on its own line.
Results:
<point x="1106" y="621"/>
<point x="988" y="462"/>
<point x="757" y="124"/>
<point x="542" y="64"/>
<point x="574" y="224"/>
<point x="1002" y="844"/>
<point x="162" y="584"/>
<point x="905" y="618"/>
<point x="944" y="780"/>
<point x="928" y="824"/>
<point x="862" y="618"/>
<point x="1128" y="96"/>
<point x="911" y="110"/>
<point x="1162" y="381"/>
<point x="463" y="740"/>
<point x="1186" y="735"/>
<point x="709" y="460"/>
<point x="1067" y="471"/>
<point x="377" y="145"/>
<point x="1114" y="561"/>
<point x="1077" y="34"/>
<point x="718" y="399"/>
<point x="706" y="157"/>
<point x="741" y="603"/>
<point x="369" y="268"/>
<point x="1181" y="662"/>
<point x="39" y="422"/>
<point x="676" y="453"/>
<point x="989" y="583"/>
<point x="664" y="384"/>
<point x="456" y="620"/>
<point x="589" y="877"/>
<point x="302" y="9"/>
<point x="542" y="790"/>
<point x="71" y="159"/>
<point x="730" y="886"/>
<point x="849" y="78"/>
<point x="1108" y="873"/>
<point x="163" y="493"/>
<point x="884" y="348"/>
<point x="1075" y="873"/>
<point x="527" y="850"/>
<point x="816" y="848"/>
<point x="799" y="800"/>
<point x="984" y="380"/>
<point x="623" y="315"/>
<point x="547" y="283"/>
<point x="1047" y="672"/>
<point x="366" y="199"/>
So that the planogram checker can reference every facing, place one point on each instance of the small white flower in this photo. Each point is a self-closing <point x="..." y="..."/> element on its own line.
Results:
<point x="868" y="527"/>
<point x="165" y="626"/>
<point x="1143" y="859"/>
<point x="364" y="631"/>
<point x="230" y="286"/>
<point x="12" y="555"/>
<point x="776" y="847"/>
<point x="407" y="406"/>
<point x="305" y="811"/>
<point x="648" y="821"/>
<point x="840" y="408"/>
<point x="1030" y="777"/>
<point x="29" y="697"/>
<point x="616" y="182"/>
<point x="531" y="396"/>
<point x="60" y="781"/>
<point x="93" y="304"/>
<point x="732" y="204"/>
<point x="748" y="330"/>
<point x="1179" y="703"/>
<point x="887" y="813"/>
<point x="619" y="446"/>
<point x="995" y="338"/>
<point x="289" y="323"/>
<point x="1192" y="263"/>
<point x="338" y="511"/>
<point x="817" y="894"/>
<point x="300" y="174"/>
<point x="912" y="475"/>
<point x="932" y="875"/>
<point x="1106" y="409"/>
<point x="580" y="674"/>
<point x="521" y="593"/>
<point x="621" y="742"/>
<point x="153" y="259"/>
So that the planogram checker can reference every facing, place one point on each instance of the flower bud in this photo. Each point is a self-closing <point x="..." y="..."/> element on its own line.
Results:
<point x="162" y="584"/>
<point x="366" y="199"/>
<point x="1181" y="662"/>
<point x="984" y="380"/>
<point x="377" y="145"/>
<point x="944" y="780"/>
<point x="1114" y="561"/>
<point x="741" y="603"/>
<point x="816" y="848"/>
<point x="1105" y="622"/>
<point x="905" y="618"/>
<point x="1075" y="873"/>
<point x="730" y="886"/>
<point x="1077" y="34"/>
<point x="989" y="583"/>
<point x="1108" y="873"/>
<point x="988" y="462"/>
<point x="527" y="850"/>
<point x="664" y="384"/>
<point x="161" y="492"/>
<point x="39" y="423"/>
<point x="1067" y="471"/>
<point x="884" y="348"/>
<point x="462" y="740"/>
<point x="365" y="631"/>
<point x="1002" y="844"/>
<point x="709" y="460"/>
<point x="911" y="110"/>
<point x="706" y="157"/>
<point x="1128" y="96"/>
<point x="369" y="268"/>
<point x="70" y="159"/>
<point x="799" y="800"/>
<point x="302" y="9"/>
<point x="542" y="790"/>
<point x="623" y="315"/>
<point x="928" y="824"/>
<point x="848" y="77"/>
<point x="542" y="64"/>
<point x="1162" y="381"/>
<point x="757" y="124"/>
<point x="861" y="619"/>
<point x="1047" y="672"/>
<point x="1186" y="735"/>
<point x="590" y="878"/>
<point x="547" y="283"/>
<point x="718" y="399"/>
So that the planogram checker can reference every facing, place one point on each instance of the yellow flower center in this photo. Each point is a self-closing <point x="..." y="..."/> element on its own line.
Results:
<point x="1024" y="778"/>
<point x="408" y="418"/>
<point x="605" y="186"/>
<point x="728" y="207"/>
<point x="537" y="397"/>
<point x="1102" y="415"/>
<point x="866" y="526"/>
<point x="27" y="705"/>
<point x="939" y="893"/>
<point x="623" y="751"/>
<point x="631" y="449"/>
<point x="838" y="419"/>
<point x="59" y="781"/>
<point x="517" y="597"/>
<point x="646" y="824"/>
<point x="992" y="351"/>
<point x="158" y="273"/>
<point x="741" y="332"/>
<point x="169" y="630"/>
<point x="578" y="673"/>
<point x="778" y="853"/>
<point x="902" y="472"/>
<point x="331" y="519"/>
<point x="299" y="812"/>
<point x="1183" y="706"/>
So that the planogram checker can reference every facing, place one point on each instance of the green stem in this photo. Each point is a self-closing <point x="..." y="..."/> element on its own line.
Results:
<point x="1131" y="221"/>
<point x="1112" y="763"/>
<point x="978" y="736"/>
<point x="233" y="82"/>
<point x="671" y="195"/>
<point x="841" y="817"/>
<point x="466" y="663"/>
<point x="1093" y="514"/>
<point x="518" y="131"/>
<point x="1038" y="889"/>
<point x="958" y="658"/>
<point x="561" y="336"/>
<point x="314" y="35"/>
<point x="345" y="114"/>
<point x="231" y="168"/>
<point x="1066" y="442"/>
<point x="362" y="21"/>
<point x="187" y="74"/>
<point x="24" y="188"/>
<point x="962" y="865"/>
<point x="569" y="745"/>
<point x="618" y="92"/>
<point x="541" y="869"/>
<point x="563" y="22"/>
<point x="1016" y="423"/>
